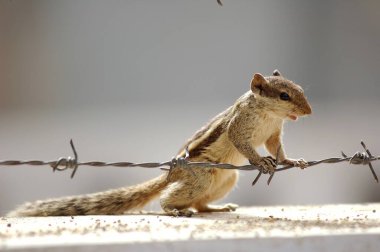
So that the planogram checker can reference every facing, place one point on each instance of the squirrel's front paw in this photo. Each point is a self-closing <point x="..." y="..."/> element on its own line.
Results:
<point x="267" y="163"/>
<point x="296" y="162"/>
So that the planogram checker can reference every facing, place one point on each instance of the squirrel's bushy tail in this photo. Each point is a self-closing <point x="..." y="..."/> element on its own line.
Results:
<point x="112" y="202"/>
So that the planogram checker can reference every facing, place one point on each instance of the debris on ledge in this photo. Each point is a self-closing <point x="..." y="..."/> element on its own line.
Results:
<point x="301" y="228"/>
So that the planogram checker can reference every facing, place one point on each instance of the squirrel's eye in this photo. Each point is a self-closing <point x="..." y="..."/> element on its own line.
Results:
<point x="284" y="96"/>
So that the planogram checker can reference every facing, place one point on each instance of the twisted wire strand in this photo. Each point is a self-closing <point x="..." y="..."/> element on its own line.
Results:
<point x="359" y="158"/>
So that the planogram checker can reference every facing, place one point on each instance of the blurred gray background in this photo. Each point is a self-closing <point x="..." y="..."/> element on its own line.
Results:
<point x="132" y="80"/>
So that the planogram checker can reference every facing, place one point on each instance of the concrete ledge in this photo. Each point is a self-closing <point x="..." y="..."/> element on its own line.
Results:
<point x="288" y="228"/>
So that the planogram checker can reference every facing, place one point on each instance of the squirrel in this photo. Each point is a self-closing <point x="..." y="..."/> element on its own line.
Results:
<point x="255" y="119"/>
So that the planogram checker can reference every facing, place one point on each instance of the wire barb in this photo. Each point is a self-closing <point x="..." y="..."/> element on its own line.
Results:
<point x="62" y="164"/>
<point x="180" y="162"/>
<point x="277" y="159"/>
<point x="367" y="160"/>
<point x="68" y="163"/>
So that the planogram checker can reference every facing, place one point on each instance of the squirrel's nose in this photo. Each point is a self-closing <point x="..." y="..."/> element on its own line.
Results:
<point x="307" y="109"/>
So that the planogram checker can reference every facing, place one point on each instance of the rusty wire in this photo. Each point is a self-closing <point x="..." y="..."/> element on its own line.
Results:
<point x="62" y="164"/>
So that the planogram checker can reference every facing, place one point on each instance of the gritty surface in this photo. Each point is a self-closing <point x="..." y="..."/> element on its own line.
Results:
<point x="245" y="223"/>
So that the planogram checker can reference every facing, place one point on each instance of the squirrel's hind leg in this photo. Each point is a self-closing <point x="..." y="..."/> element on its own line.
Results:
<point x="216" y="192"/>
<point x="180" y="196"/>
<point x="230" y="207"/>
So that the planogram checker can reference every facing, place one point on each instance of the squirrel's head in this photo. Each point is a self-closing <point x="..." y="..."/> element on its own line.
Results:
<point x="282" y="97"/>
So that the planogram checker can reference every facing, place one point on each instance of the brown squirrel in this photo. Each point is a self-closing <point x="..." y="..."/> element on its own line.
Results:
<point x="256" y="118"/>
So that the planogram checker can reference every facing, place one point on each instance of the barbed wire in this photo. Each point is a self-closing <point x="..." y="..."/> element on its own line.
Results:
<point x="62" y="164"/>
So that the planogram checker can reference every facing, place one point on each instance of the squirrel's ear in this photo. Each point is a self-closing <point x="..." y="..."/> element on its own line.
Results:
<point x="258" y="82"/>
<point x="276" y="73"/>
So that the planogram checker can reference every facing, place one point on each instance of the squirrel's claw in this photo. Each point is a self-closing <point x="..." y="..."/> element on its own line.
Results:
<point x="268" y="164"/>
<point x="296" y="162"/>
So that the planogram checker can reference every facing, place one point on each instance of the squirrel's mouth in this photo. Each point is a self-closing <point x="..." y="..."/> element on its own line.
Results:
<point x="292" y="117"/>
